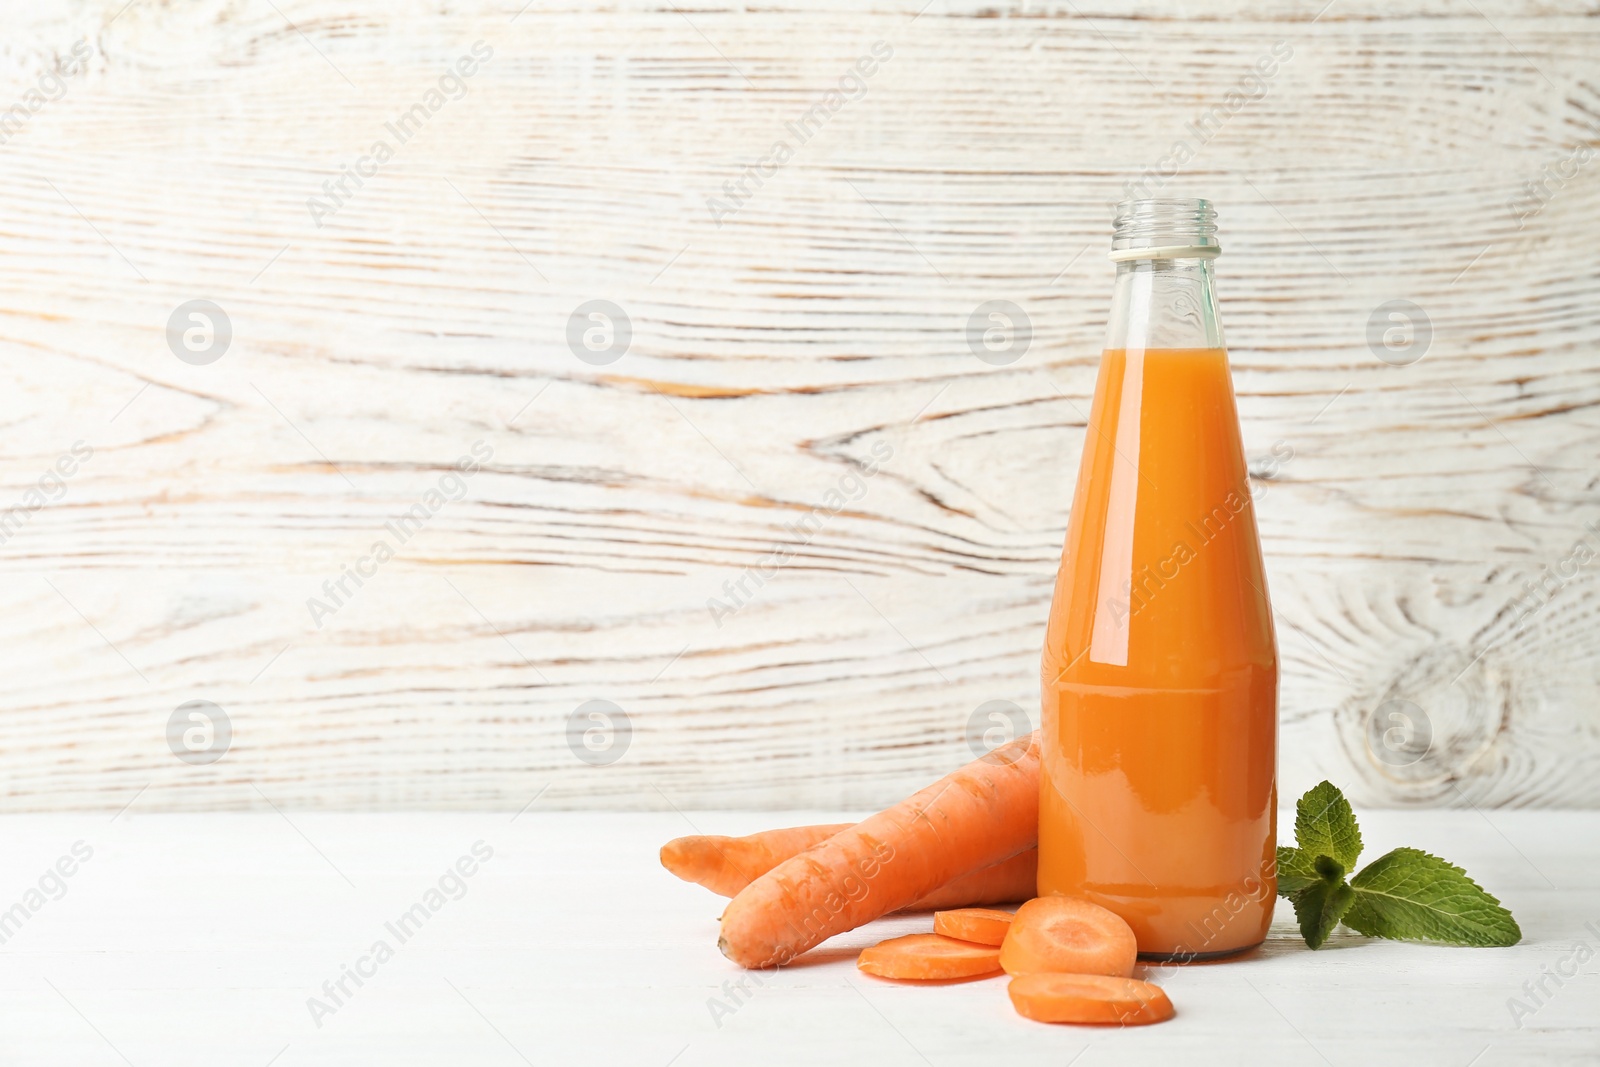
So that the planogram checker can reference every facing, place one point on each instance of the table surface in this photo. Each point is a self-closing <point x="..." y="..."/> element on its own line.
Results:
<point x="202" y="939"/>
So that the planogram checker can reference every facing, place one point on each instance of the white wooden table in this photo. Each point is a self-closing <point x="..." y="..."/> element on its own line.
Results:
<point x="198" y="939"/>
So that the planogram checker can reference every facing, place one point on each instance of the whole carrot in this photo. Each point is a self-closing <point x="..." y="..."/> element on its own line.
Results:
<point x="726" y="865"/>
<point x="1000" y="883"/>
<point x="985" y="812"/>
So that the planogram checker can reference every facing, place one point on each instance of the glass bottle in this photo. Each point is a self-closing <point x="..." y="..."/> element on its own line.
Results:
<point x="1158" y="797"/>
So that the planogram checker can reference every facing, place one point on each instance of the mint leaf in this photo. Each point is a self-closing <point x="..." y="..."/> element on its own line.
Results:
<point x="1324" y="825"/>
<point x="1413" y="896"/>
<point x="1296" y="870"/>
<point x="1319" y="907"/>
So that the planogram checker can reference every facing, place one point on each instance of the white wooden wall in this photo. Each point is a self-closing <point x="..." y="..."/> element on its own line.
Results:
<point x="770" y="356"/>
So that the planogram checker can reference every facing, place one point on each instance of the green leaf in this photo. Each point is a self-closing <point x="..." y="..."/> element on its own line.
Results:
<point x="1324" y="825"/>
<point x="1319" y="907"/>
<point x="1296" y="870"/>
<point x="1413" y="896"/>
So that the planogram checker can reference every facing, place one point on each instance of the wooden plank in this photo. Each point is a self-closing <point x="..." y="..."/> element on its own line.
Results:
<point x="770" y="357"/>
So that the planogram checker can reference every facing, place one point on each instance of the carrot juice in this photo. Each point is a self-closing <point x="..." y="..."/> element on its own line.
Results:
<point x="1159" y="675"/>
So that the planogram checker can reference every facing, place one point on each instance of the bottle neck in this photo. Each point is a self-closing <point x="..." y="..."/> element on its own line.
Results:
<point x="1164" y="303"/>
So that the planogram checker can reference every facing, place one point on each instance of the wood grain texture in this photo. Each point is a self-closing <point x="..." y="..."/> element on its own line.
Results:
<point x="818" y="328"/>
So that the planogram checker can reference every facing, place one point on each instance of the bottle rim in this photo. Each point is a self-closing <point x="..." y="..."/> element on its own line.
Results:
<point x="1165" y="228"/>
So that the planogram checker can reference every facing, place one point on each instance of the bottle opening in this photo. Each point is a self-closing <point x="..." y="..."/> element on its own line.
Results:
<point x="1165" y="229"/>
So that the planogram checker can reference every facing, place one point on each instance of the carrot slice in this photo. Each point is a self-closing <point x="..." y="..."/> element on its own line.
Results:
<point x="924" y="957"/>
<point x="1064" y="935"/>
<point x="1088" y="998"/>
<point x="981" y="926"/>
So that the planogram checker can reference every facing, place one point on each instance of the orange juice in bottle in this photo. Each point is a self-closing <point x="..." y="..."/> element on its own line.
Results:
<point x="1158" y="797"/>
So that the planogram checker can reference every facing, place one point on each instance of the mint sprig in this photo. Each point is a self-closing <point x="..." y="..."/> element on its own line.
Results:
<point x="1319" y="907"/>
<point x="1325" y="825"/>
<point x="1296" y="871"/>
<point x="1407" y="894"/>
<point x="1411" y="895"/>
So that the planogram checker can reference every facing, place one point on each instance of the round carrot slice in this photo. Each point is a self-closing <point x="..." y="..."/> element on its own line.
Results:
<point x="1064" y="935"/>
<point x="981" y="926"/>
<point x="1088" y="998"/>
<point x="925" y="957"/>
